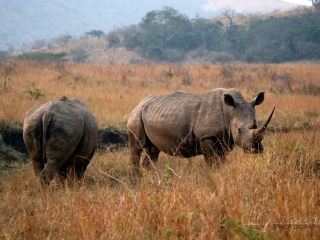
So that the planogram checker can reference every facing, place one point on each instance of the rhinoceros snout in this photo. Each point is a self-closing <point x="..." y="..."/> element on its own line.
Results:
<point x="255" y="148"/>
<point x="256" y="151"/>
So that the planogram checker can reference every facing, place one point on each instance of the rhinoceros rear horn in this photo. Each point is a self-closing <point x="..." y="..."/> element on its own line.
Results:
<point x="263" y="128"/>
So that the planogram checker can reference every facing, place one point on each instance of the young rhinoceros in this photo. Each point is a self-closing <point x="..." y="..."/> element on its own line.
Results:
<point x="187" y="124"/>
<point x="60" y="136"/>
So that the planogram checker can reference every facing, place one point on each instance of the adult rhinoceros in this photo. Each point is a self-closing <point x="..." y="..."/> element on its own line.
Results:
<point x="187" y="124"/>
<point x="60" y="136"/>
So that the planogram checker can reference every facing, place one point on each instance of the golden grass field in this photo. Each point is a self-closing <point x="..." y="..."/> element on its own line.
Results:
<point x="275" y="195"/>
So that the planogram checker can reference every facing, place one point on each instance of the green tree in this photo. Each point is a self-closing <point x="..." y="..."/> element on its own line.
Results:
<point x="289" y="38"/>
<point x="95" y="33"/>
<point x="165" y="29"/>
<point x="132" y="42"/>
<point x="167" y="35"/>
<point x="207" y="33"/>
<point x="235" y="40"/>
<point x="316" y="4"/>
<point x="79" y="54"/>
<point x="112" y="38"/>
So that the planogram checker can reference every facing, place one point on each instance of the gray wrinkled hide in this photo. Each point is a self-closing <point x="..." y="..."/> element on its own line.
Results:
<point x="187" y="124"/>
<point x="60" y="136"/>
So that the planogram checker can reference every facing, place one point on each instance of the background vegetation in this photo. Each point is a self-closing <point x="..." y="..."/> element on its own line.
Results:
<point x="167" y="35"/>
<point x="179" y="198"/>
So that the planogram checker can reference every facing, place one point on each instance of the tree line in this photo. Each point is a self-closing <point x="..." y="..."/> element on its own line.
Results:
<point x="167" y="35"/>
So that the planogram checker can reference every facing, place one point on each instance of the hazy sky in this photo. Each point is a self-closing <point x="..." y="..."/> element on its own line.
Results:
<point x="247" y="6"/>
<point x="302" y="2"/>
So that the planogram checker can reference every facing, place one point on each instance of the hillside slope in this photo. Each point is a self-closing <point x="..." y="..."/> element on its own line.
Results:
<point x="24" y="22"/>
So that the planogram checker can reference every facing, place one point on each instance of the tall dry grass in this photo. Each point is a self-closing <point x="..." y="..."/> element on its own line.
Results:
<point x="181" y="198"/>
<point x="112" y="91"/>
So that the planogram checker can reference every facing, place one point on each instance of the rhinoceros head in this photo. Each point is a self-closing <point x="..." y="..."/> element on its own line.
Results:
<point x="244" y="129"/>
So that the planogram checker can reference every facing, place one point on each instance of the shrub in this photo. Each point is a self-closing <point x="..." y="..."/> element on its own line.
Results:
<point x="33" y="92"/>
<point x="132" y="43"/>
<point x="79" y="54"/>
<point x="42" y="56"/>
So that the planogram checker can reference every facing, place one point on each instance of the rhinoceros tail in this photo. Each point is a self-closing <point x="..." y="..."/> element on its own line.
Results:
<point x="46" y="119"/>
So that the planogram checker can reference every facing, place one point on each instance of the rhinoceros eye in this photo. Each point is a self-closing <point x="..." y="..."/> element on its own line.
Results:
<point x="239" y="130"/>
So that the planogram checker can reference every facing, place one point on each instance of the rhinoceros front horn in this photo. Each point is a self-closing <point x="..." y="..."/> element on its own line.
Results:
<point x="261" y="130"/>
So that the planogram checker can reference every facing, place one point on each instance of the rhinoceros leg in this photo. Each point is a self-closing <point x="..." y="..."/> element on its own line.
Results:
<point x="82" y="164"/>
<point x="35" y="152"/>
<point x="63" y="172"/>
<point x="152" y="154"/>
<point x="56" y="164"/>
<point x="81" y="169"/>
<point x="37" y="163"/>
<point x="213" y="151"/>
<point x="136" y="144"/>
<point x="135" y="154"/>
<point x="48" y="173"/>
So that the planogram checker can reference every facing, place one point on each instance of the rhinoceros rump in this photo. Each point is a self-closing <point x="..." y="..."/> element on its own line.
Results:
<point x="60" y="136"/>
<point x="187" y="124"/>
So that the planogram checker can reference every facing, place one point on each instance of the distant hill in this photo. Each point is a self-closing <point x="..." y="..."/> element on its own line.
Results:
<point x="23" y="22"/>
<point x="169" y="36"/>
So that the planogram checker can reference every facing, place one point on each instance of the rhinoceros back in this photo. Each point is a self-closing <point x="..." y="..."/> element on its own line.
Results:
<point x="56" y="128"/>
<point x="179" y="119"/>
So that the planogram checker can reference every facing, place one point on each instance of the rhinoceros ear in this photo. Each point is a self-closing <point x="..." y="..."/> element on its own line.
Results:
<point x="259" y="99"/>
<point x="228" y="99"/>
